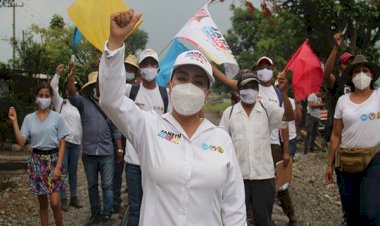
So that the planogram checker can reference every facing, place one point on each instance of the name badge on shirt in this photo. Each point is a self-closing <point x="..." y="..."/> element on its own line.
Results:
<point x="215" y="148"/>
<point x="170" y="136"/>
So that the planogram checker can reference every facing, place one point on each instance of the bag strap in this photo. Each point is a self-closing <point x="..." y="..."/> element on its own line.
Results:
<point x="232" y="109"/>
<point x="279" y="95"/>
<point x="60" y="109"/>
<point x="164" y="96"/>
<point x="134" y="90"/>
<point x="92" y="100"/>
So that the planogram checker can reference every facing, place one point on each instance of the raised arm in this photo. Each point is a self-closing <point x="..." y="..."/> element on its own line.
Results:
<point x="288" y="110"/>
<point x="71" y="81"/>
<point x="230" y="83"/>
<point x="12" y="115"/>
<point x="122" y="111"/>
<point x="330" y="63"/>
<point x="54" y="83"/>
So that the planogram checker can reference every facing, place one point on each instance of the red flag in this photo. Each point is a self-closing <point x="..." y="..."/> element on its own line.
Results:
<point x="307" y="71"/>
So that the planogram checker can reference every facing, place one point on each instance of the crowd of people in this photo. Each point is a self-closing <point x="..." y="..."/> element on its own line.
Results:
<point x="180" y="168"/>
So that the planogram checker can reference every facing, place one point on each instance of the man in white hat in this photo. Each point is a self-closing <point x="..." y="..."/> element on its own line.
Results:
<point x="99" y="136"/>
<point x="148" y="96"/>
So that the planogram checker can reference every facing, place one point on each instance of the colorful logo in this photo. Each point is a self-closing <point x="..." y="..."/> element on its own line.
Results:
<point x="216" y="38"/>
<point x="170" y="136"/>
<point x="207" y="147"/>
<point x="195" y="55"/>
<point x="370" y="116"/>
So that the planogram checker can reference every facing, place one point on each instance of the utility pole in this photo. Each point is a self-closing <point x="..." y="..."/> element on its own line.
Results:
<point x="13" y="4"/>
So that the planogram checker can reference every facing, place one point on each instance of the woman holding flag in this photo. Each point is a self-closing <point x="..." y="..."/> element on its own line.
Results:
<point x="190" y="174"/>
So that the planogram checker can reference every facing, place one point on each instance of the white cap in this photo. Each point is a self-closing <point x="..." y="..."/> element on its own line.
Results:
<point x="194" y="57"/>
<point x="148" y="53"/>
<point x="264" y="58"/>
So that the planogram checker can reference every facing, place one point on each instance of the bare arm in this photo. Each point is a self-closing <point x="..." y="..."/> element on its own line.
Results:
<point x="298" y="114"/>
<point x="285" y="145"/>
<point x="334" y="144"/>
<point x="13" y="117"/>
<point x="71" y="82"/>
<point x="230" y="83"/>
<point x="61" y="153"/>
<point x="330" y="63"/>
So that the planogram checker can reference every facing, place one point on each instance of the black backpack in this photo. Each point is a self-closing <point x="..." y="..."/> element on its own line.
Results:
<point x="164" y="94"/>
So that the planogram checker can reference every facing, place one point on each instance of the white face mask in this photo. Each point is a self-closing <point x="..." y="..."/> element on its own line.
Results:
<point x="43" y="102"/>
<point x="149" y="73"/>
<point x="361" y="81"/>
<point x="248" y="96"/>
<point x="129" y="76"/>
<point x="187" y="99"/>
<point x="265" y="75"/>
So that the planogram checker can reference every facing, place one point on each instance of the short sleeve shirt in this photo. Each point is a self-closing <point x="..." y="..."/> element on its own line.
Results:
<point x="44" y="134"/>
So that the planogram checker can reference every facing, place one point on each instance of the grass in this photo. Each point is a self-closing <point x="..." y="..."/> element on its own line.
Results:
<point x="217" y="107"/>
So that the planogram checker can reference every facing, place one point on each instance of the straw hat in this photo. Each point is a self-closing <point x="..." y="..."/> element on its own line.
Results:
<point x="92" y="77"/>
<point x="132" y="60"/>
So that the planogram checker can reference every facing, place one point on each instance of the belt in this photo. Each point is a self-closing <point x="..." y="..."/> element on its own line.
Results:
<point x="45" y="152"/>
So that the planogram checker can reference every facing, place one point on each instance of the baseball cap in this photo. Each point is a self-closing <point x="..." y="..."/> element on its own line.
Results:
<point x="345" y="57"/>
<point x="148" y="53"/>
<point x="246" y="78"/>
<point x="263" y="59"/>
<point x="194" y="57"/>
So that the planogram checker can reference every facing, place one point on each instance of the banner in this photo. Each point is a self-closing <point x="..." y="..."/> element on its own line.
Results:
<point x="202" y="32"/>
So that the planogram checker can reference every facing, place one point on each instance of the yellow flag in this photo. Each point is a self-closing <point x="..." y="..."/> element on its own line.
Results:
<point x="92" y="18"/>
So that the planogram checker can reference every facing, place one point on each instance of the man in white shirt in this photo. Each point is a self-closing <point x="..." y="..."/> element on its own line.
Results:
<point x="72" y="140"/>
<point x="280" y="150"/>
<point x="148" y="96"/>
<point x="314" y="105"/>
<point x="250" y="122"/>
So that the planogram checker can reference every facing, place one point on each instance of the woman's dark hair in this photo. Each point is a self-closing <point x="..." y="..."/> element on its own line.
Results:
<point x="44" y="85"/>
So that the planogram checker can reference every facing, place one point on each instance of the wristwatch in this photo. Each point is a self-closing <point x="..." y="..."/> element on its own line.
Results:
<point x="120" y="150"/>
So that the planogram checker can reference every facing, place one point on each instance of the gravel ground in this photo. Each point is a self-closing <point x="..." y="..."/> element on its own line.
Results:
<point x="316" y="203"/>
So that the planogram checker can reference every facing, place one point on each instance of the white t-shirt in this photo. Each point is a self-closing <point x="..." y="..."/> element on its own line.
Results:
<point x="269" y="94"/>
<point x="186" y="181"/>
<point x="361" y="122"/>
<point x="292" y="124"/>
<point x="250" y="136"/>
<point x="147" y="100"/>
<point x="315" y="112"/>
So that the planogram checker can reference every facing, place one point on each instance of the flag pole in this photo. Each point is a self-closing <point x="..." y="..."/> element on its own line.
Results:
<point x="163" y="50"/>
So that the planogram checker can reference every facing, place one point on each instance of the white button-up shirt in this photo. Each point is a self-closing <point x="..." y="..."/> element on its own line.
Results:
<point x="251" y="137"/>
<point x="186" y="181"/>
<point x="69" y="112"/>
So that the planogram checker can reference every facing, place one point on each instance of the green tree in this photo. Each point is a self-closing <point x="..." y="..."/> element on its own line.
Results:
<point x="57" y="22"/>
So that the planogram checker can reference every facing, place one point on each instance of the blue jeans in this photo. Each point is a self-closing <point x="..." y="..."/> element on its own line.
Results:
<point x="92" y="166"/>
<point x="135" y="193"/>
<point x="70" y="164"/>
<point x="359" y="194"/>
<point x="312" y="124"/>
<point x="292" y="147"/>
<point x="117" y="180"/>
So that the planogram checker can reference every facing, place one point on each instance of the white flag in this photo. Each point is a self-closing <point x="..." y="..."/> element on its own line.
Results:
<point x="202" y="32"/>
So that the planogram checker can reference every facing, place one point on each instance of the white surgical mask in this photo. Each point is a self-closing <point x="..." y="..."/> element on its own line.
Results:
<point x="129" y="76"/>
<point x="149" y="73"/>
<point x="265" y="75"/>
<point x="248" y="96"/>
<point x="361" y="81"/>
<point x="187" y="99"/>
<point x="43" y="102"/>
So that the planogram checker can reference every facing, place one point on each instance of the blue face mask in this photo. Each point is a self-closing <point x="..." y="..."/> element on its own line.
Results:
<point x="129" y="76"/>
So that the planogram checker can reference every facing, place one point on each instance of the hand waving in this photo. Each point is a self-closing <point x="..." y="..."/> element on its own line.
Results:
<point x="122" y="24"/>
<point x="12" y="114"/>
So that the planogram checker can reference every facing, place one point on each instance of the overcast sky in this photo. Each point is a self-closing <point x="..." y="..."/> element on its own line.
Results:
<point x="162" y="19"/>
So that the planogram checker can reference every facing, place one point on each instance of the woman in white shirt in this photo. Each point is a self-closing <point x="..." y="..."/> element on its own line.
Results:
<point x="355" y="128"/>
<point x="190" y="174"/>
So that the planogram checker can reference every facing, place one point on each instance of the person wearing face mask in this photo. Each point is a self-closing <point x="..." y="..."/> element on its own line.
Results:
<point x="72" y="140"/>
<point x="148" y="96"/>
<point x="190" y="174"/>
<point x="250" y="123"/>
<point x="45" y="130"/>
<point x="132" y="69"/>
<point x="354" y="147"/>
<point x="100" y="139"/>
